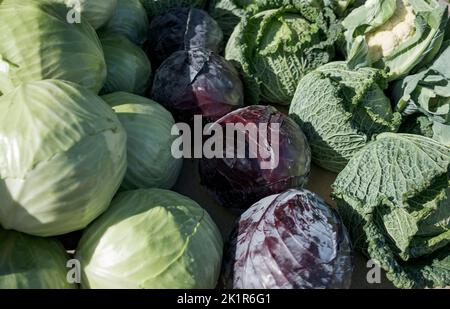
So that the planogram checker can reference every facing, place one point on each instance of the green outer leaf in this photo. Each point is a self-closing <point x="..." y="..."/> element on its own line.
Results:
<point x="28" y="262"/>
<point x="95" y="12"/>
<point x="130" y="19"/>
<point x="228" y="13"/>
<point x="339" y="110"/>
<point x="394" y="197"/>
<point x="151" y="239"/>
<point x="129" y="69"/>
<point x="428" y="93"/>
<point x="148" y="127"/>
<point x="73" y="53"/>
<point x="431" y="22"/>
<point x="343" y="7"/>
<point x="63" y="157"/>
<point x="274" y="48"/>
<point x="156" y="7"/>
<point x="98" y="12"/>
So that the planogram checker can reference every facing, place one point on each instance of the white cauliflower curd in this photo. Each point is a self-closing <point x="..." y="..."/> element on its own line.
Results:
<point x="384" y="40"/>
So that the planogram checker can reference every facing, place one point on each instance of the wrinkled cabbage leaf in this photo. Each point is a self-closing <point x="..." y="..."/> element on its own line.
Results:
<point x="394" y="197"/>
<point x="340" y="110"/>
<point x="274" y="47"/>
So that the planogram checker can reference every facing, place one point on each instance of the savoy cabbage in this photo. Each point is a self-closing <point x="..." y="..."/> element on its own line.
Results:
<point x="394" y="198"/>
<point x="275" y="45"/>
<point x="340" y="110"/>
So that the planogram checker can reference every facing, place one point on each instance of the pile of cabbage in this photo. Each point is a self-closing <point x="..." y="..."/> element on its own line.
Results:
<point x="90" y="95"/>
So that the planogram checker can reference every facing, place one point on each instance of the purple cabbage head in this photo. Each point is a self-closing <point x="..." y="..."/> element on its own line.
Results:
<point x="238" y="181"/>
<point x="182" y="29"/>
<point x="290" y="240"/>
<point x="198" y="82"/>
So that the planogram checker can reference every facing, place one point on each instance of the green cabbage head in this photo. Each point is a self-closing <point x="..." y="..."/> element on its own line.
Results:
<point x="394" y="197"/>
<point x="28" y="262"/>
<point x="148" y="126"/>
<point x="129" y="69"/>
<point x="275" y="47"/>
<point x="96" y="12"/>
<point x="396" y="35"/>
<point x="130" y="19"/>
<point x="62" y="158"/>
<point x="340" y="110"/>
<point x="37" y="42"/>
<point x="151" y="239"/>
<point x="156" y="7"/>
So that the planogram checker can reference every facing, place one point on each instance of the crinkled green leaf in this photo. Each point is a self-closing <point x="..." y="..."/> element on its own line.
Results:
<point x="394" y="195"/>
<point x="151" y="239"/>
<point x="340" y="110"/>
<point x="275" y="46"/>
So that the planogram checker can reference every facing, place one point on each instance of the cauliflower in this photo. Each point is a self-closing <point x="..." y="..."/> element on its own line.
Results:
<point x="384" y="40"/>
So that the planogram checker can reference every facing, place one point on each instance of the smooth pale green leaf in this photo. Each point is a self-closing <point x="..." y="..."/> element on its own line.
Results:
<point x="95" y="12"/>
<point x="395" y="194"/>
<point x="129" y="69"/>
<point x="151" y="239"/>
<point x="148" y="126"/>
<point x="340" y="110"/>
<point x="428" y="93"/>
<point x="130" y="19"/>
<point x="63" y="157"/>
<point x="370" y="15"/>
<point x="28" y="262"/>
<point x="37" y="42"/>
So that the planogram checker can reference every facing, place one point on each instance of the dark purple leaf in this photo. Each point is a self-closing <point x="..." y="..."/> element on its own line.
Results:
<point x="197" y="82"/>
<point x="239" y="182"/>
<point x="182" y="29"/>
<point x="290" y="240"/>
